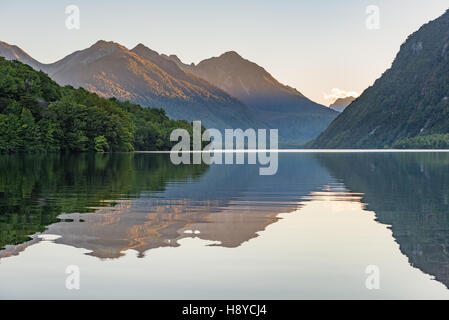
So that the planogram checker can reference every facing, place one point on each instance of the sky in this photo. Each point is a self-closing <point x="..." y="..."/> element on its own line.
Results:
<point x="324" y="48"/>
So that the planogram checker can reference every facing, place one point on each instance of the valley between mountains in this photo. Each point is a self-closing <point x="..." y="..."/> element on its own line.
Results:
<point x="223" y="92"/>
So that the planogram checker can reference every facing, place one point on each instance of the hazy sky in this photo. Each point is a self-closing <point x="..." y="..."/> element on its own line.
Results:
<point x="316" y="46"/>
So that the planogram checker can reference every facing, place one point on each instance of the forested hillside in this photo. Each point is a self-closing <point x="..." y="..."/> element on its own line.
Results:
<point x="38" y="115"/>
<point x="408" y="106"/>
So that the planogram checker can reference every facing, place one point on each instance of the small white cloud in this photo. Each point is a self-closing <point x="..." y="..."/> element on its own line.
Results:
<point x="337" y="93"/>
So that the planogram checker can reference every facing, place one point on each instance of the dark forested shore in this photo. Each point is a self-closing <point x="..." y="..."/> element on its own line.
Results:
<point x="37" y="115"/>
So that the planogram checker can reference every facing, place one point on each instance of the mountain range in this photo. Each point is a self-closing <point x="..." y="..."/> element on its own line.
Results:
<point x="408" y="106"/>
<point x="110" y="70"/>
<point x="279" y="106"/>
<point x="223" y="92"/>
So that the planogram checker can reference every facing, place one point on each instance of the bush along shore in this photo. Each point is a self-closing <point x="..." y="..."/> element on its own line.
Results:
<point x="37" y="115"/>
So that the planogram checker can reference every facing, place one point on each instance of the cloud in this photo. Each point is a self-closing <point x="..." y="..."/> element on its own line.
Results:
<point x="337" y="93"/>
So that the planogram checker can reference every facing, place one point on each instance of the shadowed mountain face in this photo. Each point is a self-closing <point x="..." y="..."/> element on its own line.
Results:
<point x="111" y="70"/>
<point x="410" y="100"/>
<point x="297" y="118"/>
<point x="410" y="192"/>
<point x="223" y="92"/>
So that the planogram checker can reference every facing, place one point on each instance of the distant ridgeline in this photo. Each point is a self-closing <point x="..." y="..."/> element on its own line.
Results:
<point x="225" y="92"/>
<point x="408" y="107"/>
<point x="38" y="115"/>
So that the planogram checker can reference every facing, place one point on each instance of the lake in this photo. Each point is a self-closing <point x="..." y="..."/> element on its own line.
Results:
<point x="133" y="225"/>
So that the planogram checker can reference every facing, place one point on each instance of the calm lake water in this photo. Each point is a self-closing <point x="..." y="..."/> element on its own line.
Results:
<point x="137" y="226"/>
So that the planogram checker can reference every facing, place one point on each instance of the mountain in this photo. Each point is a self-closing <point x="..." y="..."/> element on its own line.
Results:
<point x="297" y="118"/>
<point x="341" y="103"/>
<point x="223" y="92"/>
<point x="139" y="75"/>
<point x="408" y="105"/>
<point x="12" y="52"/>
<point x="38" y="115"/>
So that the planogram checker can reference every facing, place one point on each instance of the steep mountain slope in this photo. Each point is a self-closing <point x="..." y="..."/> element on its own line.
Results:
<point x="410" y="100"/>
<point x="38" y="115"/>
<point x="111" y="70"/>
<point x="297" y="118"/>
<point x="341" y="103"/>
<point x="223" y="92"/>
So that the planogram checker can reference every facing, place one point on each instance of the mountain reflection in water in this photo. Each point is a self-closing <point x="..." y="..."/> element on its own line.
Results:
<point x="111" y="203"/>
<point x="108" y="204"/>
<point x="410" y="192"/>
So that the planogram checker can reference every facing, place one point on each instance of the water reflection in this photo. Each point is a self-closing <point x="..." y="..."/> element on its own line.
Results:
<point x="36" y="189"/>
<point x="308" y="231"/>
<point x="410" y="193"/>
<point x="225" y="204"/>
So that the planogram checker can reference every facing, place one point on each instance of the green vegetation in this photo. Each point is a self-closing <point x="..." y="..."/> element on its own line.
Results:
<point x="38" y="115"/>
<point x="410" y="100"/>
<point x="409" y="193"/>
<point x="434" y="141"/>
<point x="36" y="188"/>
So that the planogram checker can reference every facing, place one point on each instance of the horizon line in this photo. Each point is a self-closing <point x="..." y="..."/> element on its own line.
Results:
<point x="303" y="151"/>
